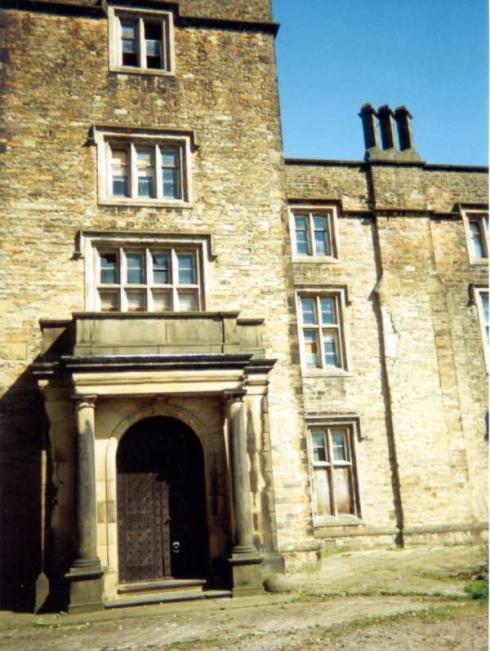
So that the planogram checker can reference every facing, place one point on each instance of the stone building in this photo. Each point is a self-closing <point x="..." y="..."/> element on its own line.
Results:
<point x="217" y="363"/>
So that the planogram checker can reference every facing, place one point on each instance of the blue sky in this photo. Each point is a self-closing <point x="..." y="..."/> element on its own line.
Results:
<point x="430" y="55"/>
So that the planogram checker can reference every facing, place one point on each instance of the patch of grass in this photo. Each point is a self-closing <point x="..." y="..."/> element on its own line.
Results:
<point x="431" y="615"/>
<point x="478" y="589"/>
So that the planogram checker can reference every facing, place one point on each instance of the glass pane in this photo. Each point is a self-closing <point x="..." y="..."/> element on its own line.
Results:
<point x="328" y="310"/>
<point x="301" y="236"/>
<point x="129" y="58"/>
<point x="170" y="182"/>
<point x="136" y="301"/>
<point x="188" y="302"/>
<point x="308" y="310"/>
<point x="162" y="301"/>
<point x="119" y="157"/>
<point x="128" y="29"/>
<point x="108" y="268"/>
<point x="129" y="33"/>
<point x="145" y="187"/>
<point x="331" y="349"/>
<point x="311" y="349"/>
<point x="339" y="446"/>
<point x="187" y="269"/>
<point x="129" y="47"/>
<point x="322" y="492"/>
<point x="153" y="31"/>
<point x="109" y="301"/>
<point x="153" y="49"/>
<point x="343" y="491"/>
<point x="135" y="262"/>
<point x="170" y="158"/>
<point x="477" y="239"/>
<point x="484" y="306"/>
<point x="161" y="268"/>
<point x="319" y="452"/>
<point x="144" y="158"/>
<point x="120" y="186"/>
<point x="321" y="243"/>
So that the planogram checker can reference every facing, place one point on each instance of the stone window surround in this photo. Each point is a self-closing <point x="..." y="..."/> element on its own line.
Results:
<point x="115" y="55"/>
<point x="340" y="293"/>
<point x="91" y="242"/>
<point x="476" y="292"/>
<point x="105" y="137"/>
<point x="330" y="211"/>
<point x="352" y="424"/>
<point x="474" y="214"/>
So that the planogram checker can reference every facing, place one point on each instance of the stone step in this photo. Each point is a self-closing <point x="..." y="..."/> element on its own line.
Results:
<point x="170" y="596"/>
<point x="161" y="585"/>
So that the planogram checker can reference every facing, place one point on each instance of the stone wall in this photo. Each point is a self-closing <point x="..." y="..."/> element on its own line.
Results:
<point x="418" y="375"/>
<point x="57" y="87"/>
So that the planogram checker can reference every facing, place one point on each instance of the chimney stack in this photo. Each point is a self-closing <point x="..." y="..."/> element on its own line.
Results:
<point x="384" y="119"/>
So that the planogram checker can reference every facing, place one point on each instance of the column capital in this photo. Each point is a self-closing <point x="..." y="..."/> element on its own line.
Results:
<point x="234" y="395"/>
<point x="84" y="401"/>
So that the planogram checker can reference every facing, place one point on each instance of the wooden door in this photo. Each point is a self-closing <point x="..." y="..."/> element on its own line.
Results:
<point x="144" y="526"/>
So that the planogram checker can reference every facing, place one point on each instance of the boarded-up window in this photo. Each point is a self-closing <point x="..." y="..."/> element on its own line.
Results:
<point x="333" y="471"/>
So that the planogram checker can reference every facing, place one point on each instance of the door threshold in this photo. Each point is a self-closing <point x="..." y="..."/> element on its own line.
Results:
<point x="171" y="596"/>
<point x="161" y="585"/>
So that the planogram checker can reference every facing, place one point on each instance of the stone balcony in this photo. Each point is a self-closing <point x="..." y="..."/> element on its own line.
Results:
<point x="105" y="334"/>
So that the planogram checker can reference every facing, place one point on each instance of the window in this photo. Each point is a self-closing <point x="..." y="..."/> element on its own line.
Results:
<point x="476" y="224"/>
<point x="313" y="233"/>
<point x="143" y="168"/>
<point x="321" y="329"/>
<point x="140" y="41"/>
<point x="482" y="305"/>
<point x="149" y="279"/>
<point x="334" y="473"/>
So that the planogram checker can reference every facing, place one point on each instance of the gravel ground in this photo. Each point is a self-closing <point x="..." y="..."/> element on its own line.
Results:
<point x="379" y="600"/>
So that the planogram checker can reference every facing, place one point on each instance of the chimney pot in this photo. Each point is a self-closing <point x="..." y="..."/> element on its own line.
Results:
<point x="387" y="126"/>
<point x="403" y="119"/>
<point x="368" y="117"/>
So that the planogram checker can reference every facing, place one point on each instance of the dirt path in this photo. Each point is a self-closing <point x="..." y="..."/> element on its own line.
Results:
<point x="367" y="624"/>
<point x="378" y="600"/>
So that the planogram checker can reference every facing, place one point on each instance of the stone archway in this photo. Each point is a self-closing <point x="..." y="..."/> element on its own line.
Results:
<point x="162" y="524"/>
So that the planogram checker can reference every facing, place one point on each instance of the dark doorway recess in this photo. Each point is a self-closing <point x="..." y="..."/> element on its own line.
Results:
<point x="162" y="531"/>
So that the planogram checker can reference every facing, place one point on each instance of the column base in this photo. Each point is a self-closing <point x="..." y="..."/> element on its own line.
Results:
<point x="245" y="573"/>
<point x="85" y="577"/>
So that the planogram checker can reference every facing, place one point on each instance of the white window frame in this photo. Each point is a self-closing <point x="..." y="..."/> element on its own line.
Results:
<point x="164" y="18"/>
<point x="309" y="211"/>
<point x="91" y="244"/>
<point x="108" y="139"/>
<point x="481" y="217"/>
<point x="340" y="301"/>
<point x="479" y="292"/>
<point x="349" y="425"/>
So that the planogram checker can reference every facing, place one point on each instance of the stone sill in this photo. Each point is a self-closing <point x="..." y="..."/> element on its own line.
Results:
<point x="340" y="521"/>
<point x="135" y="203"/>
<point x="142" y="71"/>
<point x="479" y="262"/>
<point x="315" y="259"/>
<point x="323" y="373"/>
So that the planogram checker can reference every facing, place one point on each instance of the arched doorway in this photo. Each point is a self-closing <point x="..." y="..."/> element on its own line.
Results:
<point x="161" y="506"/>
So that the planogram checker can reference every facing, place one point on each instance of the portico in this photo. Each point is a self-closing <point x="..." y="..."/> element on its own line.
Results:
<point x="94" y="395"/>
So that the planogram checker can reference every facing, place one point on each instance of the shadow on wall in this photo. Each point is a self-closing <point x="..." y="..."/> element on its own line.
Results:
<point x="22" y="427"/>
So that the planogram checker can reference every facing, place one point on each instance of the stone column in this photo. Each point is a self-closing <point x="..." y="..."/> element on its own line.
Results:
<point x="245" y="561"/>
<point x="86" y="572"/>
